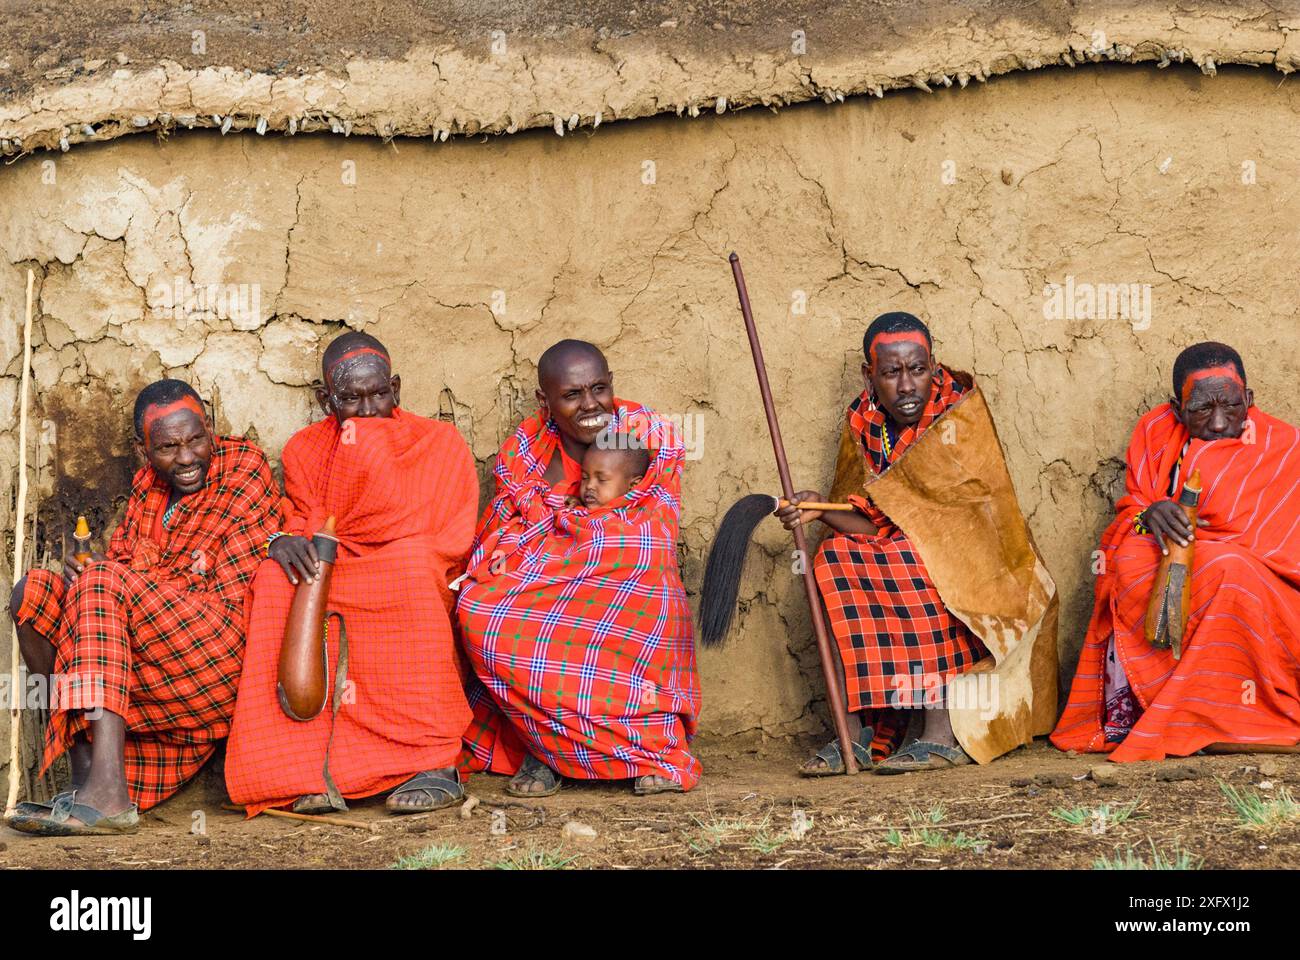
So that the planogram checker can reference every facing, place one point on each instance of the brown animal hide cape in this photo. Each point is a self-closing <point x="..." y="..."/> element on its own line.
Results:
<point x="951" y="494"/>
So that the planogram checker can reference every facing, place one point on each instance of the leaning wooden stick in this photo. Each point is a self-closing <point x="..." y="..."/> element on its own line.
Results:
<point x="15" y="664"/>
<point x="834" y="694"/>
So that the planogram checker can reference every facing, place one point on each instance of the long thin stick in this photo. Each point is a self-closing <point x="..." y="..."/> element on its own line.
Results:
<point x="15" y="663"/>
<point x="834" y="694"/>
<point x="308" y="817"/>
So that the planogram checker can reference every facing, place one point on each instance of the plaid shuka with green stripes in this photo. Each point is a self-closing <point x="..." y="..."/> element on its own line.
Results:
<point x="576" y="622"/>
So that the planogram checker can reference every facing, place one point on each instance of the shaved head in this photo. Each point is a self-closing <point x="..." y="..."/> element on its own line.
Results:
<point x="358" y="378"/>
<point x="576" y="387"/>
<point x="561" y="356"/>
<point x="1211" y="397"/>
<point x="349" y="347"/>
<point x="173" y="435"/>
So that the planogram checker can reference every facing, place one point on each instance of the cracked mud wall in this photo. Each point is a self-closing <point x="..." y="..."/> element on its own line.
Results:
<point x="468" y="258"/>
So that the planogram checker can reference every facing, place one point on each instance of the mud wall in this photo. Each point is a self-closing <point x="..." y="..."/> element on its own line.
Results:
<point x="469" y="257"/>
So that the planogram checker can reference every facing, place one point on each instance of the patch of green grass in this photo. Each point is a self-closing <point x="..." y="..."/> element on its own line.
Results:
<point x="716" y="831"/>
<point x="922" y="831"/>
<point x="430" y="858"/>
<point x="764" y="841"/>
<point x="1131" y="858"/>
<point x="1259" y="812"/>
<point x="1100" y="819"/>
<point x="756" y="833"/>
<point x="535" y="859"/>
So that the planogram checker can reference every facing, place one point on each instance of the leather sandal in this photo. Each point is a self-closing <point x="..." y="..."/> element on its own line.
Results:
<point x="534" y="770"/>
<point x="432" y="784"/>
<point x="93" y="823"/>
<point x="923" y="755"/>
<point x="833" y="760"/>
<point x="315" y="804"/>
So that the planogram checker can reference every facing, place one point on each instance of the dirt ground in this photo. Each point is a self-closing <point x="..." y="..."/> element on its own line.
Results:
<point x="750" y="811"/>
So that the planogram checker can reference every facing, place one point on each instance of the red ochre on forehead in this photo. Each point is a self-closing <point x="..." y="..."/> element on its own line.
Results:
<point x="1209" y="373"/>
<point x="903" y="336"/>
<point x="329" y="371"/>
<point x="156" y="411"/>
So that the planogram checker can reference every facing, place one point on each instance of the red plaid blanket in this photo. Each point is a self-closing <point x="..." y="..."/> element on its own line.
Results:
<point x="576" y="623"/>
<point x="155" y="633"/>
<point x="899" y="643"/>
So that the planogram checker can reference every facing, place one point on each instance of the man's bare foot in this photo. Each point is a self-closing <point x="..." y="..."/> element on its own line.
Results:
<point x="938" y="728"/>
<point x="79" y="758"/>
<point x="652" y="783"/>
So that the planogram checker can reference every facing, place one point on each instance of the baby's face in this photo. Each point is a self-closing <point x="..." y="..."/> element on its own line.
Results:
<point x="606" y="476"/>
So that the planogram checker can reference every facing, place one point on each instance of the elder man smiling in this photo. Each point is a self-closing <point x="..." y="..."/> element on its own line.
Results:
<point x="147" y="639"/>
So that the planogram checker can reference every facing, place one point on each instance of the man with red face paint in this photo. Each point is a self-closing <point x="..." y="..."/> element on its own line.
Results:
<point x="403" y="492"/>
<point x="897" y="642"/>
<point x="1237" y="680"/>
<point x="141" y="646"/>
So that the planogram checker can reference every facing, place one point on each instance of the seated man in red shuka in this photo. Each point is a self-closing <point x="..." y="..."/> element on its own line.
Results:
<point x="404" y="493"/>
<point x="1236" y="685"/>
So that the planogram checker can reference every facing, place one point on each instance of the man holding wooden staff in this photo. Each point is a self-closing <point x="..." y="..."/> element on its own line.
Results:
<point x="942" y="611"/>
<point x="142" y="646"/>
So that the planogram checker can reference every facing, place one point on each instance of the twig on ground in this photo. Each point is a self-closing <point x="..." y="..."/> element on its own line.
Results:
<point x="307" y="817"/>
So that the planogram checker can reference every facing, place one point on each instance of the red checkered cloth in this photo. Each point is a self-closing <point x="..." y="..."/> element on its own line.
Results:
<point x="404" y="493"/>
<point x="1239" y="677"/>
<point x="576" y="622"/>
<point x="900" y="645"/>
<point x="155" y="632"/>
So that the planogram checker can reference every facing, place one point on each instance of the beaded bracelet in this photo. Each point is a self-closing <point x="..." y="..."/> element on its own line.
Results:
<point x="1138" y="525"/>
<point x="271" y="539"/>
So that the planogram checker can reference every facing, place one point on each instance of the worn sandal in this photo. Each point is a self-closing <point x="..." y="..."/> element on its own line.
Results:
<point x="93" y="822"/>
<point x="923" y="755"/>
<point x="833" y="760"/>
<point x="32" y="808"/>
<point x="432" y="785"/>
<point x="534" y="770"/>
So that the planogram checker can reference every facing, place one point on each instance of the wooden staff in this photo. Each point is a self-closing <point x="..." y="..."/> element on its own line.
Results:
<point x="817" y="505"/>
<point x="15" y="664"/>
<point x="829" y="670"/>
